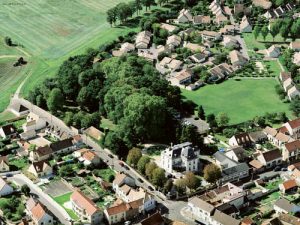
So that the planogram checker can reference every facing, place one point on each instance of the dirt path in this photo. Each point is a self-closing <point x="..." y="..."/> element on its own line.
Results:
<point x="23" y="51"/>
<point x="9" y="56"/>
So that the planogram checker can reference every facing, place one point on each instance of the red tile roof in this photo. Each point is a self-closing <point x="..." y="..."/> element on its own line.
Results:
<point x="84" y="202"/>
<point x="289" y="184"/>
<point x="294" y="123"/>
<point x="293" y="146"/>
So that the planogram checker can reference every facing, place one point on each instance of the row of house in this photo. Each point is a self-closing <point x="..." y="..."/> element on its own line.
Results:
<point x="288" y="85"/>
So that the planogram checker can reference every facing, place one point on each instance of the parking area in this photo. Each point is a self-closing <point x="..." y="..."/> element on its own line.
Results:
<point x="57" y="188"/>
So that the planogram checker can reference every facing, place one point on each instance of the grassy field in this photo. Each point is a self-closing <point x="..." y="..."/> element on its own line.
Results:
<point x="50" y="32"/>
<point x="241" y="100"/>
<point x="273" y="66"/>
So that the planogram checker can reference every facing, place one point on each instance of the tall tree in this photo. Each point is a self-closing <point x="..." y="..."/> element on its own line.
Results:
<point x="275" y="28"/>
<point x="134" y="156"/>
<point x="158" y="177"/>
<point x="201" y="113"/>
<point x="264" y="32"/>
<point x="55" y="101"/>
<point x="212" y="173"/>
<point x="256" y="31"/>
<point x="141" y="165"/>
<point x="222" y="119"/>
<point x="148" y="3"/>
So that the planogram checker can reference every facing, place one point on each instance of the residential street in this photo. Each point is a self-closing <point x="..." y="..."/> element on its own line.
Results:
<point x="53" y="206"/>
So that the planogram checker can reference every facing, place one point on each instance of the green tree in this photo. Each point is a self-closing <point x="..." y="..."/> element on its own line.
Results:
<point x="25" y="190"/>
<point x="275" y="28"/>
<point x="148" y="3"/>
<point x="256" y="31"/>
<point x="68" y="119"/>
<point x="295" y="29"/>
<point x="201" y="113"/>
<point x="158" y="177"/>
<point x="134" y="156"/>
<point x="284" y="31"/>
<point x="55" y="101"/>
<point x="168" y="186"/>
<point x="141" y="165"/>
<point x="222" y="119"/>
<point x="150" y="167"/>
<point x="264" y="32"/>
<point x="192" y="181"/>
<point x="295" y="106"/>
<point x="212" y="173"/>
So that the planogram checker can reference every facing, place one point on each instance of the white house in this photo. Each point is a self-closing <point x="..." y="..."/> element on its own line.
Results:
<point x="293" y="92"/>
<point x="230" y="42"/>
<point x="5" y="189"/>
<point x="287" y="84"/>
<point x="237" y="59"/>
<point x="40" y="169"/>
<point x="120" y="180"/>
<point x="180" y="156"/>
<point x="38" y="212"/>
<point x="273" y="51"/>
<point x="143" y="39"/>
<point x="34" y="122"/>
<point x="173" y="41"/>
<point x="291" y="150"/>
<point x="271" y="158"/>
<point x="201" y="209"/>
<point x="293" y="128"/>
<point x="4" y="164"/>
<point x="85" y="208"/>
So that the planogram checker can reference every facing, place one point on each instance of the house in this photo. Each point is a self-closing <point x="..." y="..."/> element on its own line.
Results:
<point x="183" y="77"/>
<point x="194" y="47"/>
<point x="63" y="146"/>
<point x="293" y="92"/>
<point x="185" y="16"/>
<point x="5" y="189"/>
<point x="234" y="173"/>
<point x="210" y="35"/>
<point x="154" y="219"/>
<point x="285" y="219"/>
<point x="120" y="180"/>
<point x="41" y="153"/>
<point x="85" y="208"/>
<point x="201" y="210"/>
<point x="245" y="25"/>
<point x="288" y="186"/>
<point x="40" y="169"/>
<point x="293" y="128"/>
<point x="94" y="133"/>
<point x="230" y="42"/>
<point x="280" y="139"/>
<point x="296" y="58"/>
<point x="90" y="158"/>
<point x="224" y="161"/>
<point x="143" y="39"/>
<point x="220" y="72"/>
<point x="170" y="64"/>
<point x="284" y="206"/>
<point x="273" y="52"/>
<point x="295" y="45"/>
<point x="173" y="41"/>
<point x="221" y="19"/>
<point x="270" y="132"/>
<point x="216" y="8"/>
<point x="34" y="122"/>
<point x="182" y="156"/>
<point x="242" y="139"/>
<point x="283" y="76"/>
<point x="258" y="137"/>
<point x="270" y="159"/>
<point x="168" y="27"/>
<point x="236" y="153"/>
<point x="287" y="84"/>
<point x="198" y="58"/>
<point x="291" y="151"/>
<point x="18" y="109"/>
<point x="228" y="29"/>
<point x="38" y="212"/>
<point x="8" y="131"/>
<point x="4" y="164"/>
<point x="77" y="141"/>
<point x="265" y="4"/>
<point x="237" y="59"/>
<point x="200" y="19"/>
<point x="125" y="48"/>
<point x="124" y="211"/>
<point x="220" y="218"/>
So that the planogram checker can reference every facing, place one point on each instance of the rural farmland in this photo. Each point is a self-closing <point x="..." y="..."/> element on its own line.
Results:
<point x="48" y="33"/>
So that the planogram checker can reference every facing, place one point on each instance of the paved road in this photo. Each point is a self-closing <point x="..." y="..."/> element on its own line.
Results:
<point x="54" y="207"/>
<point x="244" y="49"/>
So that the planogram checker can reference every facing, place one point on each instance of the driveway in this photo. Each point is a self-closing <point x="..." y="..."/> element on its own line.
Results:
<point x="244" y="49"/>
<point x="54" y="207"/>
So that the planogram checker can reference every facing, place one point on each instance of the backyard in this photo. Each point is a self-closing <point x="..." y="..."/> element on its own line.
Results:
<point x="54" y="37"/>
<point x="241" y="99"/>
<point x="61" y="200"/>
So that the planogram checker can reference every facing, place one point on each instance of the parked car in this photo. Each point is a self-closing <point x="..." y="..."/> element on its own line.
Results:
<point x="140" y="180"/>
<point x="110" y="156"/>
<point x="150" y="188"/>
<point x="127" y="223"/>
<point x="277" y="168"/>
<point x="121" y="163"/>
<point x="284" y="169"/>
<point x="126" y="167"/>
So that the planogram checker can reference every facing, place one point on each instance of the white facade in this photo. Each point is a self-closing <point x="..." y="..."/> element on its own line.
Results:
<point x="180" y="156"/>
<point x="34" y="122"/>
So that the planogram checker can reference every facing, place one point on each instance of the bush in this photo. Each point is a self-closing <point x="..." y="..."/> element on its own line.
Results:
<point x="8" y="41"/>
<point x="255" y="49"/>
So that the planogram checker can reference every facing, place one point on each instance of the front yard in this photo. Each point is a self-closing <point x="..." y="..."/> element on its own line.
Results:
<point x="62" y="200"/>
<point x="241" y="99"/>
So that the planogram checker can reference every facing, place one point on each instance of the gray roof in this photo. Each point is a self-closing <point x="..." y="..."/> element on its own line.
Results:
<point x="284" y="204"/>
<point x="184" y="149"/>
<point x="196" y="201"/>
<point x="225" y="160"/>
<point x="241" y="167"/>
<point x="257" y="136"/>
<point x="239" y="152"/>
<point x="224" y="219"/>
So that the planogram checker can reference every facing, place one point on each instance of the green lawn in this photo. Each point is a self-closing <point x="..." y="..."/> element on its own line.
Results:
<point x="241" y="100"/>
<point x="49" y="32"/>
<point x="273" y="66"/>
<point x="63" y="199"/>
<point x="105" y="173"/>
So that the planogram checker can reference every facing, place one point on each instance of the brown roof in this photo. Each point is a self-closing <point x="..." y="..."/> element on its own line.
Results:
<point x="271" y="155"/>
<point x="155" y="219"/>
<point x="119" y="178"/>
<point x="59" y="145"/>
<point x="81" y="200"/>
<point x="247" y="221"/>
<point x="77" y="138"/>
<point x="289" y="219"/>
<point x="271" y="131"/>
<point x="38" y="211"/>
<point x="282" y="137"/>
<point x="4" y="159"/>
<point x="295" y="44"/>
<point x="285" y="75"/>
<point x="39" y="166"/>
<point x="294" y="123"/>
<point x="289" y="184"/>
<point x="124" y="207"/>
<point x="256" y="164"/>
<point x="89" y="155"/>
<point x="293" y="146"/>
<point x="43" y="151"/>
<point x="94" y="132"/>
